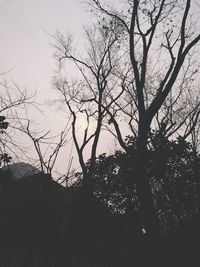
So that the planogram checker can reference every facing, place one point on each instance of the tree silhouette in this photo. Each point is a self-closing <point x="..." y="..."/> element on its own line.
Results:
<point x="173" y="171"/>
<point x="160" y="38"/>
<point x="13" y="100"/>
<point x="139" y="67"/>
<point x="87" y="98"/>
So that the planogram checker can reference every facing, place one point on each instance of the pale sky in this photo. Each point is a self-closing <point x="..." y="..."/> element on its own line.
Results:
<point x="26" y="48"/>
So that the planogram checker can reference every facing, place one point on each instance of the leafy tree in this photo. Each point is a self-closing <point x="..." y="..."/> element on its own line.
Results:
<point x="173" y="171"/>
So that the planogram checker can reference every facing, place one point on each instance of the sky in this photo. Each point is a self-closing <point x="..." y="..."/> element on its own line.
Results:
<point x="25" y="44"/>
<point x="26" y="50"/>
<point x="26" y="47"/>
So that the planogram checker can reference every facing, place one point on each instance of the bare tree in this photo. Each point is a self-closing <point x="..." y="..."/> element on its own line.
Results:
<point x="162" y="38"/>
<point x="46" y="147"/>
<point x="140" y="61"/>
<point x="20" y="134"/>
<point x="13" y="103"/>
<point x="87" y="96"/>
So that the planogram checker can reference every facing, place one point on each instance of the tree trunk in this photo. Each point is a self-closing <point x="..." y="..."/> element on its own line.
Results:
<point x="148" y="214"/>
<point x="147" y="217"/>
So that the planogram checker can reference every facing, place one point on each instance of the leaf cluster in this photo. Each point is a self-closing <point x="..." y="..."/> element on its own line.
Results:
<point x="173" y="170"/>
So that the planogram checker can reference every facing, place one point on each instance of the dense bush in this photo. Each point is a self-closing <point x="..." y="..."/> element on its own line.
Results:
<point x="173" y="172"/>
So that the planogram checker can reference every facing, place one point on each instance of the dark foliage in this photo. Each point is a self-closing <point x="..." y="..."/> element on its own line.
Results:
<point x="173" y="169"/>
<point x="5" y="158"/>
<point x="3" y="123"/>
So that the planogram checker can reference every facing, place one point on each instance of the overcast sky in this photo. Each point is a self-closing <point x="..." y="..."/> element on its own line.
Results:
<point x="25" y="46"/>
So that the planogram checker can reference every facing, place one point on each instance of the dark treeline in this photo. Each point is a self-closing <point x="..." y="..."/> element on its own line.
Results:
<point x="173" y="171"/>
<point x="91" y="226"/>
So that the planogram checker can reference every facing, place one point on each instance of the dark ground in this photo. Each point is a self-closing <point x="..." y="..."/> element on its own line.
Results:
<point x="44" y="225"/>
